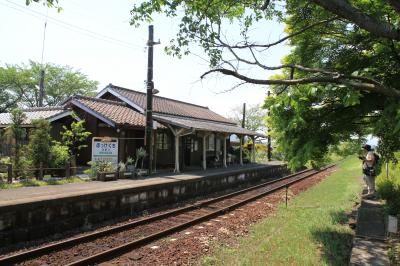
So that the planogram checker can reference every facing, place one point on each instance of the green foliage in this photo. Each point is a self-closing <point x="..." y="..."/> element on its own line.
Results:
<point x="36" y="183"/>
<point x="74" y="138"/>
<point x="59" y="154"/>
<point x="140" y="154"/>
<point x="97" y="167"/>
<point x="305" y="119"/>
<point x="388" y="187"/>
<point x="19" y="83"/>
<point x="18" y="133"/>
<point x="39" y="148"/>
<point x="255" y="117"/>
<point x="311" y="231"/>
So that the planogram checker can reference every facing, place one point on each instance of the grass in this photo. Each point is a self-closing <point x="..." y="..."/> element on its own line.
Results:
<point x="311" y="231"/>
<point x="35" y="183"/>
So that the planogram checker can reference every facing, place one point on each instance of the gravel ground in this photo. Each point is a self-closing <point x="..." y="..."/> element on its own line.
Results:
<point x="187" y="247"/>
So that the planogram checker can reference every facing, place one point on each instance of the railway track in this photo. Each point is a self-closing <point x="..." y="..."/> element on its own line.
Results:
<point x="112" y="242"/>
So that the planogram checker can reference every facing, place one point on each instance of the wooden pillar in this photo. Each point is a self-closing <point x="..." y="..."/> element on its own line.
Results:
<point x="176" y="154"/>
<point x="155" y="151"/>
<point x="253" y="150"/>
<point x="224" y="152"/>
<point x="204" y="152"/>
<point x="241" y="151"/>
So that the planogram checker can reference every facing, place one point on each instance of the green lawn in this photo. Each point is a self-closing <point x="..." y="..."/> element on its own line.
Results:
<point x="35" y="183"/>
<point x="312" y="231"/>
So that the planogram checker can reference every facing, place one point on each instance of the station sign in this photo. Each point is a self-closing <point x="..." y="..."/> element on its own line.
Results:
<point x="105" y="149"/>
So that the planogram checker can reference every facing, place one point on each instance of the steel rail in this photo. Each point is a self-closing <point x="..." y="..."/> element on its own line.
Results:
<point x="113" y="252"/>
<point x="19" y="257"/>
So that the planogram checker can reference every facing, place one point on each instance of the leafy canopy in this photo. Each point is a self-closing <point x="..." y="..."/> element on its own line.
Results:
<point x="339" y="82"/>
<point x="20" y="84"/>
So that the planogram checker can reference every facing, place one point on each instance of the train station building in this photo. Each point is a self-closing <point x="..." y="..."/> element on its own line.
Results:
<point x="186" y="136"/>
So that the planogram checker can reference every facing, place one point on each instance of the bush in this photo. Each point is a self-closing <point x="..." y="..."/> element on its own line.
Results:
<point x="389" y="187"/>
<point x="59" y="155"/>
<point x="40" y="143"/>
<point x="96" y="167"/>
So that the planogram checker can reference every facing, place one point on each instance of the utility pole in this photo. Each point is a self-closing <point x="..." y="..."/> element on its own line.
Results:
<point x="148" y="141"/>
<point x="41" y="81"/>
<point x="244" y="116"/>
<point x="269" y="134"/>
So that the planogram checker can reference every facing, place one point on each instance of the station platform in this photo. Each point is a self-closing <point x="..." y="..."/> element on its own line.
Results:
<point x="15" y="196"/>
<point x="30" y="213"/>
<point x="369" y="244"/>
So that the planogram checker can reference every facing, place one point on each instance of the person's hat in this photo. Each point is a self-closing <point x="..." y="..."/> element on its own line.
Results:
<point x="367" y="147"/>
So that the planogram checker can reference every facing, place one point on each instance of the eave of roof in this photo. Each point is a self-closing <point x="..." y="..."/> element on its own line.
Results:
<point x="201" y="125"/>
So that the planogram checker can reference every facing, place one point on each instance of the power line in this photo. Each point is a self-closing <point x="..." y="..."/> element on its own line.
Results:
<point x="71" y="27"/>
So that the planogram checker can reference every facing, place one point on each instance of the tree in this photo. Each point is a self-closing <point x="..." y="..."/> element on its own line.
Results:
<point x="40" y="143"/>
<point x="255" y="117"/>
<point x="339" y="81"/>
<point x="20" y="82"/>
<point x="18" y="133"/>
<point x="75" y="137"/>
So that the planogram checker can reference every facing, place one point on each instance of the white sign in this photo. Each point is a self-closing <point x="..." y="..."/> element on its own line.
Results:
<point x="392" y="224"/>
<point x="105" y="149"/>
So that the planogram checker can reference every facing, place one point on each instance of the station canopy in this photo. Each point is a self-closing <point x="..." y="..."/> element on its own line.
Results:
<point x="203" y="125"/>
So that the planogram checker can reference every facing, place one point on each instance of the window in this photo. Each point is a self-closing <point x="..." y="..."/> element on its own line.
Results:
<point x="210" y="144"/>
<point x="163" y="141"/>
<point x="218" y="144"/>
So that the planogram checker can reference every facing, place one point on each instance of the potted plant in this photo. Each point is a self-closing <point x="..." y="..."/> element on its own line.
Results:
<point x="122" y="173"/>
<point x="140" y="154"/>
<point x="107" y="171"/>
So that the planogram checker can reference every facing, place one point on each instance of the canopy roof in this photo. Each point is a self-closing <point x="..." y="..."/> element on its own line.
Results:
<point x="203" y="125"/>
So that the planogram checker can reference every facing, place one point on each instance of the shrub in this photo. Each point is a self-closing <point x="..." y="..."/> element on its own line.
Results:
<point x="59" y="155"/>
<point x="389" y="187"/>
<point x="96" y="167"/>
<point x="39" y="143"/>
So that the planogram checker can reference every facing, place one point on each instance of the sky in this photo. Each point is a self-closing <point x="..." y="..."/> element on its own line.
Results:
<point x="95" y="37"/>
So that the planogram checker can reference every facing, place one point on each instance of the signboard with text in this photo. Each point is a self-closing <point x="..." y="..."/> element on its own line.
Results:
<point x="105" y="149"/>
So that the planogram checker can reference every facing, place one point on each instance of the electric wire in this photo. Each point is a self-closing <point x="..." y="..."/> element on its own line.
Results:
<point x="70" y="27"/>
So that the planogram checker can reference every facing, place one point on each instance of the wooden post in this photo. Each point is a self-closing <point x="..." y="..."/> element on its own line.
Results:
<point x="286" y="195"/>
<point x="176" y="170"/>
<point x="40" y="170"/>
<point x="67" y="170"/>
<point x="224" y="152"/>
<point x="253" y="150"/>
<point x="9" y="173"/>
<point x="241" y="151"/>
<point x="155" y="151"/>
<point x="204" y="152"/>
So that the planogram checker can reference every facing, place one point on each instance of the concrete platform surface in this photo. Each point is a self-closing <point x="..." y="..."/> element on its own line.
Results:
<point x="22" y="195"/>
<point x="369" y="247"/>
<point x="369" y="252"/>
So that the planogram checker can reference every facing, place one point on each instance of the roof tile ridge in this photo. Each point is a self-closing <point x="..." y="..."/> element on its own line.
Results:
<point x="44" y="108"/>
<point x="100" y="100"/>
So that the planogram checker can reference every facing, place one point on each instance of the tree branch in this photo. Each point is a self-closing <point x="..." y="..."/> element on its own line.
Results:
<point x="395" y="4"/>
<point x="344" y="9"/>
<point x="284" y="38"/>
<point x="337" y="79"/>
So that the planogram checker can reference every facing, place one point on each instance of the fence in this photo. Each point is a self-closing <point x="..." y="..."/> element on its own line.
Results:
<point x="38" y="172"/>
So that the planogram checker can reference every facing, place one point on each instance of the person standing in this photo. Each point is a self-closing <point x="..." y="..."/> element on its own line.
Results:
<point x="369" y="168"/>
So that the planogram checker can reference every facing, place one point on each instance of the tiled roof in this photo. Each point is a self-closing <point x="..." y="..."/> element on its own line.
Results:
<point x="115" y="112"/>
<point x="32" y="114"/>
<point x="164" y="105"/>
<point x="202" y="125"/>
